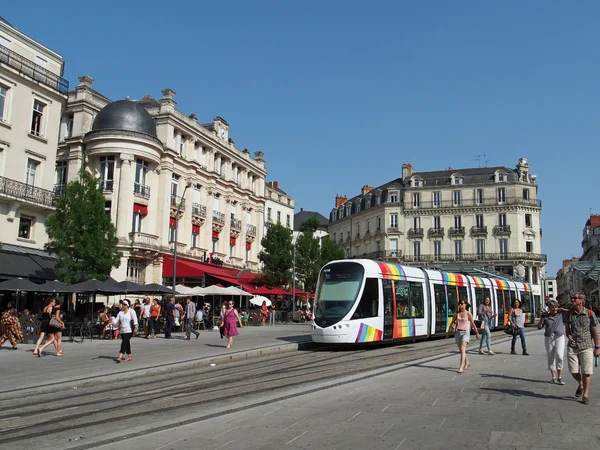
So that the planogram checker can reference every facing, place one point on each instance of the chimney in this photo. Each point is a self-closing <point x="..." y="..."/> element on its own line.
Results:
<point x="275" y="184"/>
<point x="340" y="200"/>
<point x="366" y="188"/>
<point x="407" y="171"/>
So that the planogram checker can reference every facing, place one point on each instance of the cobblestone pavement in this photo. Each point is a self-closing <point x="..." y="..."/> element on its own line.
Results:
<point x="501" y="402"/>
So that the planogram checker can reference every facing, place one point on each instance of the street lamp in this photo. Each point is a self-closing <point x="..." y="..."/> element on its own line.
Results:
<point x="294" y="272"/>
<point x="188" y="184"/>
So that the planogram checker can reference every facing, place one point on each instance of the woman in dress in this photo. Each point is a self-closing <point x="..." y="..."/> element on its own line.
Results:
<point x="58" y="315"/>
<point x="11" y="327"/>
<point x="54" y="311"/>
<point x="462" y="323"/>
<point x="230" y="320"/>
<point x="554" y="337"/>
<point x="154" y="315"/>
<point x="517" y="321"/>
<point x="46" y="313"/>
<point x="264" y="313"/>
<point x="128" y="324"/>
<point x="486" y="316"/>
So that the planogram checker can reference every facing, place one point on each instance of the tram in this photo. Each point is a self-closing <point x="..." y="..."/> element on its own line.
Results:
<point x="359" y="301"/>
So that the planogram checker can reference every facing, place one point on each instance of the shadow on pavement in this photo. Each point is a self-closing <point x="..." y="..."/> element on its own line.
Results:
<point x="507" y="377"/>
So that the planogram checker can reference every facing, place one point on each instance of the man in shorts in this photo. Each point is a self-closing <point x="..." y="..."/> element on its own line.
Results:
<point x="581" y="327"/>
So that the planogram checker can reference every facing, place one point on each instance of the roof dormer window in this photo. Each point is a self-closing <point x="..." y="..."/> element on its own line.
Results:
<point x="501" y="177"/>
<point x="456" y="179"/>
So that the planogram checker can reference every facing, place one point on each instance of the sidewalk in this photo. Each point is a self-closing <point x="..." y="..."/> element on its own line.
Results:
<point x="90" y="361"/>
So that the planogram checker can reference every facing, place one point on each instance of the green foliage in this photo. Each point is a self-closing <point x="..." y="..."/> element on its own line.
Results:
<point x="308" y="259"/>
<point x="81" y="234"/>
<point x="311" y="224"/>
<point x="277" y="255"/>
<point x="330" y="251"/>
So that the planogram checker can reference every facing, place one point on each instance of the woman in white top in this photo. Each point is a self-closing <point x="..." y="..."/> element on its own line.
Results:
<point x="127" y="322"/>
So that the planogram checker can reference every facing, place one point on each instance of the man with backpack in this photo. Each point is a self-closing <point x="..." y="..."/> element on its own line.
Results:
<point x="583" y="344"/>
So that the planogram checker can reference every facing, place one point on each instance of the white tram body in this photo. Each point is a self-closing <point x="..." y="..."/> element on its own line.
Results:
<point x="359" y="301"/>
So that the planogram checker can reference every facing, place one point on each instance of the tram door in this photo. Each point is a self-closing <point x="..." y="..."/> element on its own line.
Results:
<point x="388" y="309"/>
<point x="501" y="311"/>
<point x="441" y="308"/>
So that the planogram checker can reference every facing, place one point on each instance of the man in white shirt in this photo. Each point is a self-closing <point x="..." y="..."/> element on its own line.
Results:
<point x="146" y="306"/>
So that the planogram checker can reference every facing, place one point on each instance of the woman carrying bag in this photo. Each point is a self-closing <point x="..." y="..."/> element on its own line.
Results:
<point x="127" y="322"/>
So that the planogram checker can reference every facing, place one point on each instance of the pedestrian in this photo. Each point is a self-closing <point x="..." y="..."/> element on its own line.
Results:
<point x="581" y="329"/>
<point x="264" y="313"/>
<point x="461" y="323"/>
<point x="272" y="312"/>
<point x="59" y="316"/>
<point x="128" y="324"/>
<point x="554" y="339"/>
<point x="222" y="326"/>
<point x="517" y="322"/>
<point x="190" y="315"/>
<point x="230" y="320"/>
<point x="152" y="321"/>
<point x="55" y="326"/>
<point x="45" y="325"/>
<point x="146" y="308"/>
<point x="170" y="313"/>
<point x="486" y="316"/>
<point x="11" y="327"/>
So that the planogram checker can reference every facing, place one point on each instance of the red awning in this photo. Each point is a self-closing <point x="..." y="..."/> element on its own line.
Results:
<point x="172" y="222"/>
<point x="231" y="241"/>
<point x="195" y="229"/>
<point x="140" y="209"/>
<point x="188" y="269"/>
<point x="248" y="245"/>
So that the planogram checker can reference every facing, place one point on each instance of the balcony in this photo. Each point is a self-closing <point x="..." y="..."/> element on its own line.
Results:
<point x="479" y="231"/>
<point x="474" y="202"/>
<point x="21" y="191"/>
<point x="415" y="233"/>
<point x="177" y="202"/>
<point x="456" y="231"/>
<point x="218" y="217"/>
<point x="236" y="224"/>
<point x="250" y="230"/>
<point x="475" y="257"/>
<point x="59" y="189"/>
<point x="141" y="190"/>
<point x="143" y="240"/>
<point x="107" y="185"/>
<point x="501" y="230"/>
<point x="198" y="210"/>
<point x="381" y="255"/>
<point x="27" y="67"/>
<point x="435" y="233"/>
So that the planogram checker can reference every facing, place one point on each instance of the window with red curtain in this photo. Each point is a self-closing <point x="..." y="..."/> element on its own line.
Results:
<point x="140" y="209"/>
<point x="231" y="241"/>
<point x="195" y="229"/>
<point x="215" y="235"/>
<point x="248" y="245"/>
<point x="172" y="222"/>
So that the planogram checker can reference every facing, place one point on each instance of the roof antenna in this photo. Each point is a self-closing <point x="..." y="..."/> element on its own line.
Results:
<point x="478" y="159"/>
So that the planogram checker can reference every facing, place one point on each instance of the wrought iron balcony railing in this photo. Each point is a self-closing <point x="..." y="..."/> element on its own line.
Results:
<point x="456" y="231"/>
<point x="218" y="217"/>
<point x="141" y="190"/>
<point x="415" y="232"/>
<point x="27" y="67"/>
<point x="59" y="189"/>
<point x="23" y="191"/>
<point x="176" y="201"/>
<point x="107" y="185"/>
<point x="198" y="210"/>
<point x="435" y="232"/>
<point x="479" y="231"/>
<point x="501" y="230"/>
<point x="236" y="224"/>
<point x="250" y="229"/>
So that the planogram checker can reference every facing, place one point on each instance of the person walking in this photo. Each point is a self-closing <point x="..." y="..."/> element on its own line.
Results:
<point x="54" y="328"/>
<point x="462" y="322"/>
<point x="11" y="327"/>
<point x="170" y="310"/>
<point x="272" y="312"/>
<point x="45" y="325"/>
<point x="264" y="313"/>
<point x="190" y="315"/>
<point x="517" y="322"/>
<point x="59" y="316"/>
<point x="154" y="315"/>
<point x="230" y="320"/>
<point x="146" y="308"/>
<point x="486" y="316"/>
<point x="581" y="328"/>
<point x="128" y="324"/>
<point x="222" y="325"/>
<point x="554" y="339"/>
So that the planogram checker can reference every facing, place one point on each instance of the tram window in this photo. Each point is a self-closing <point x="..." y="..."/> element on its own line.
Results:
<point x="513" y="297"/>
<point x="526" y="301"/>
<point x="452" y="300"/>
<point x="462" y="293"/>
<point x="388" y="299"/>
<point x="439" y="291"/>
<point x="417" y="303"/>
<point x="369" y="302"/>
<point x="481" y="294"/>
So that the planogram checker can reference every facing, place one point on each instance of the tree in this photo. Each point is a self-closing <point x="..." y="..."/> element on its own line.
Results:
<point x="311" y="224"/>
<point x="308" y="259"/>
<point x="277" y="255"/>
<point x="81" y="234"/>
<point x="330" y="251"/>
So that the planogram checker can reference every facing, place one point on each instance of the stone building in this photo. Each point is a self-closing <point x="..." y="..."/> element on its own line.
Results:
<point x="163" y="171"/>
<point x="279" y="206"/>
<point x="32" y="97"/>
<point x="454" y="218"/>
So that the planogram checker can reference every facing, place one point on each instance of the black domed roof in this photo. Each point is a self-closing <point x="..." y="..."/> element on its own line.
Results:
<point x="125" y="115"/>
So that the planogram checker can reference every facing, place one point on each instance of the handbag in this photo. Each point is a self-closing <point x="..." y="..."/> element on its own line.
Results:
<point x="508" y="329"/>
<point x="55" y="323"/>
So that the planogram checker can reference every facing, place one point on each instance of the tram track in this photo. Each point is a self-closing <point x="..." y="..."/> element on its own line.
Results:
<point x="216" y="391"/>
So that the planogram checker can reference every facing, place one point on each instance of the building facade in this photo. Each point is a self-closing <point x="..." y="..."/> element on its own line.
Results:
<point x="33" y="95"/>
<point x="488" y="216"/>
<point x="168" y="181"/>
<point x="279" y="206"/>
<point x="550" y="288"/>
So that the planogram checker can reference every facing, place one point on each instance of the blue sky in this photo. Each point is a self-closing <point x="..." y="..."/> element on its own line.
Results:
<point x="323" y="86"/>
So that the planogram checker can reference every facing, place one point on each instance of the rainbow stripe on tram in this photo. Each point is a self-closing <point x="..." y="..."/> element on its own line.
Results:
<point x="454" y="279"/>
<point x="394" y="271"/>
<point x="501" y="284"/>
<point x="405" y="328"/>
<point x="478" y="282"/>
<point x="368" y="333"/>
<point x="526" y="287"/>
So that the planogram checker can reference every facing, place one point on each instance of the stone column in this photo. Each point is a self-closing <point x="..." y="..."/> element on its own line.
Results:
<point x="125" y="196"/>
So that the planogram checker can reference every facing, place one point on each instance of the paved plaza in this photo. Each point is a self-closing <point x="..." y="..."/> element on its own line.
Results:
<point x="501" y="402"/>
<point x="92" y="361"/>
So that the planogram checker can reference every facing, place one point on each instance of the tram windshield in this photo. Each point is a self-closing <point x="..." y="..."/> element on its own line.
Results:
<point x="526" y="301"/>
<point x="337" y="291"/>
